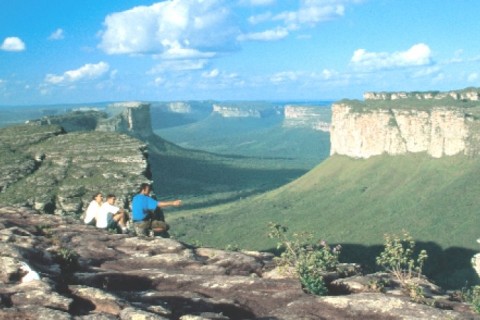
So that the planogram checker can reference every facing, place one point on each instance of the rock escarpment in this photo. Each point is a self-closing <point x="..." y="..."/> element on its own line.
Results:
<point x="235" y="112"/>
<point x="469" y="94"/>
<point x="56" y="268"/>
<point x="316" y="118"/>
<point x="56" y="172"/>
<point x="441" y="126"/>
<point x="132" y="118"/>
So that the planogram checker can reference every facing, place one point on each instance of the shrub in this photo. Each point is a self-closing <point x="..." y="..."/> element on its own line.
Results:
<point x="472" y="297"/>
<point x="67" y="259"/>
<point x="308" y="261"/>
<point x="398" y="259"/>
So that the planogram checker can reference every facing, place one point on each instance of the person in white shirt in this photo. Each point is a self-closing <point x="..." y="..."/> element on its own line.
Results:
<point x="93" y="209"/>
<point x="111" y="216"/>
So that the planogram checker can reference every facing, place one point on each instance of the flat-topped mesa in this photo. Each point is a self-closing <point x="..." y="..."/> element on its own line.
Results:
<point x="179" y="107"/>
<point x="440" y="127"/>
<point x="132" y="118"/>
<point x="236" y="112"/>
<point x="306" y="117"/>
<point x="469" y="94"/>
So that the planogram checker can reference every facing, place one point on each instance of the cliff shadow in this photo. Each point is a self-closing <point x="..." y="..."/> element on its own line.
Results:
<point x="449" y="268"/>
<point x="192" y="177"/>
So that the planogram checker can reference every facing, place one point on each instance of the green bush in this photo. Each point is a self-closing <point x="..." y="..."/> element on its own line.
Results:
<point x="398" y="259"/>
<point x="308" y="261"/>
<point x="67" y="259"/>
<point x="472" y="297"/>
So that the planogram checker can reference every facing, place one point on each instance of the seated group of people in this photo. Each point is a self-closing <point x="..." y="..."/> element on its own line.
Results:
<point x="106" y="215"/>
<point x="147" y="215"/>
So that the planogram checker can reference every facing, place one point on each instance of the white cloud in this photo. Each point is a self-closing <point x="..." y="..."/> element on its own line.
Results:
<point x="268" y="35"/>
<point x="284" y="76"/>
<point x="58" y="34"/>
<point x="417" y="55"/>
<point x="86" y="72"/>
<point x="312" y="12"/>
<point x="260" y="18"/>
<point x="473" y="77"/>
<point x="159" y="81"/>
<point x="426" y="72"/>
<point x="258" y="2"/>
<point x="12" y="44"/>
<point x="178" y="28"/>
<point x="211" y="74"/>
<point x="329" y="74"/>
<point x="178" y="65"/>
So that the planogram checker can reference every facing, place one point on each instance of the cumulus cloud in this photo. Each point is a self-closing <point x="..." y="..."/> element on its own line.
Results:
<point x="86" y="72"/>
<point x="312" y="12"/>
<point x="284" y="76"/>
<point x="472" y="77"/>
<point x="257" y="2"/>
<point x="418" y="55"/>
<point x="268" y="35"/>
<point x="263" y="17"/>
<point x="178" y="65"/>
<point x="211" y="74"/>
<point x="426" y="72"/>
<point x="12" y="44"/>
<point x="58" y="34"/>
<point x="177" y="28"/>
<point x="308" y="14"/>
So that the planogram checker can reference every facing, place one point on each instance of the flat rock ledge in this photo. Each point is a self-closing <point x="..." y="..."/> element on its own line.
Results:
<point x="55" y="267"/>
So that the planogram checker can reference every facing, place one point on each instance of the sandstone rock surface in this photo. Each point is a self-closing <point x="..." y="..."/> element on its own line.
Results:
<point x="86" y="273"/>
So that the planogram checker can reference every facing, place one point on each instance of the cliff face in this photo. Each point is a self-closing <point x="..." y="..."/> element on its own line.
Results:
<point x="132" y="118"/>
<point x="443" y="130"/>
<point x="235" y="112"/>
<point x="316" y="118"/>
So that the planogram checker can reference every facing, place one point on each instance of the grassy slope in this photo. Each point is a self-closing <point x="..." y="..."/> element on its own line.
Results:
<point x="354" y="202"/>
<point x="202" y="178"/>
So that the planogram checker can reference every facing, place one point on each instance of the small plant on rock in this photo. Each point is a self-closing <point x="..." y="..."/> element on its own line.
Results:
<point x="398" y="259"/>
<point x="67" y="259"/>
<point x="309" y="261"/>
<point x="472" y="297"/>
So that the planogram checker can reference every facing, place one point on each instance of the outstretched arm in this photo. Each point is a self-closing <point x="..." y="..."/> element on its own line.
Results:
<point x="174" y="203"/>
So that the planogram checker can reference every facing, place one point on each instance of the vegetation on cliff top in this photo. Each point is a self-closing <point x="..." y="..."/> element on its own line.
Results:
<point x="410" y="103"/>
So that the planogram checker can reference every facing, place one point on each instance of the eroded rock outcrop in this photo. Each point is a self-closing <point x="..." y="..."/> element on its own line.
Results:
<point x="86" y="273"/>
<point x="49" y="170"/>
<point x="132" y="118"/>
<point x="439" y="128"/>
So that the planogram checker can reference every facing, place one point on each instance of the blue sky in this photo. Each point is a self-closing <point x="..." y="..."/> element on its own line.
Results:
<point x="71" y="51"/>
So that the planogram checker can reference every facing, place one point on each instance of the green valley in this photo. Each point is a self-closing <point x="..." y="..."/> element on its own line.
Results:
<point x="354" y="203"/>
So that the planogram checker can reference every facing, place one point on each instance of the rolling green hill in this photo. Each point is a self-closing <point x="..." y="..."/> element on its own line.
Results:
<point x="353" y="203"/>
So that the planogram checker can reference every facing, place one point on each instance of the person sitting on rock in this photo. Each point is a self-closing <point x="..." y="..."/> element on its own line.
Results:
<point x="111" y="216"/>
<point x="147" y="215"/>
<point x="93" y="209"/>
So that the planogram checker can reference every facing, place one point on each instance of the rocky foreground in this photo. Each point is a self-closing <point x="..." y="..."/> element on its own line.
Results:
<point x="54" y="267"/>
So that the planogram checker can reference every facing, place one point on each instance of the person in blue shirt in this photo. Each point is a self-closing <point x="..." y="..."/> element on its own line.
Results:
<point x="146" y="211"/>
